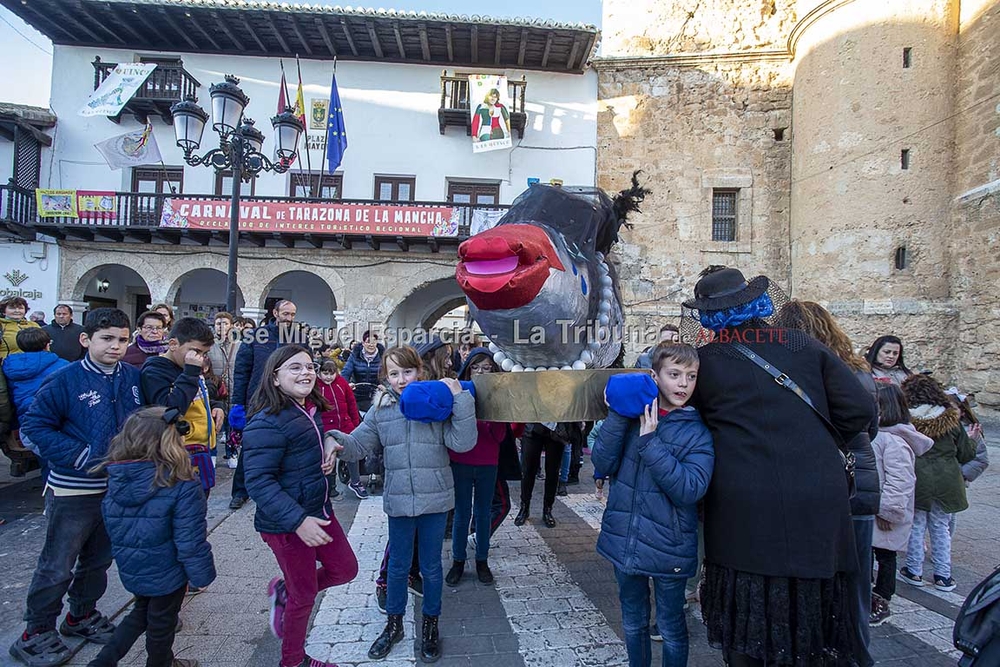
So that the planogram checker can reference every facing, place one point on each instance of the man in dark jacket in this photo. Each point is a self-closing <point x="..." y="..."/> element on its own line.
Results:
<point x="65" y="334"/>
<point x="257" y="346"/>
<point x="75" y="414"/>
<point x="362" y="367"/>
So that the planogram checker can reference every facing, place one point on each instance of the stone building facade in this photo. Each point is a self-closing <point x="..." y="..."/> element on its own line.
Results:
<point x="859" y="142"/>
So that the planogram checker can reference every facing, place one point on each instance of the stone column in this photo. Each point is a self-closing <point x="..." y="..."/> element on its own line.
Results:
<point x="255" y="314"/>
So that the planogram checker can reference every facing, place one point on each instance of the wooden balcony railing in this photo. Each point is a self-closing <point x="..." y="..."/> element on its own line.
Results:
<point x="455" y="103"/>
<point x="168" y="83"/>
<point x="140" y="212"/>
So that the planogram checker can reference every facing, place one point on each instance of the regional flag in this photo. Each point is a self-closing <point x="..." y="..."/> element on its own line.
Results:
<point x="130" y="149"/>
<point x="336" y="132"/>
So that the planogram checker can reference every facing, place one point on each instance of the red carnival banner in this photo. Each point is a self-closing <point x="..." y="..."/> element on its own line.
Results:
<point x="313" y="217"/>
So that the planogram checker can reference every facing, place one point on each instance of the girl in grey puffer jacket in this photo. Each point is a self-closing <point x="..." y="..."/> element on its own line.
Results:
<point x="419" y="488"/>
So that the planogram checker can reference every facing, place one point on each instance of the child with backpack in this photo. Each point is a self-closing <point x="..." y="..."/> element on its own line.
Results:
<point x="660" y="456"/>
<point x="896" y="447"/>
<point x="155" y="515"/>
<point x="940" y="488"/>
<point x="286" y="474"/>
<point x="72" y="421"/>
<point x="419" y="487"/>
<point x="174" y="380"/>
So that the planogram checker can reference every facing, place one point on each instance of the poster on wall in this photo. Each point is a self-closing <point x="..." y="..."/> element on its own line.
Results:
<point x="313" y="217"/>
<point x="489" y="102"/>
<point x="96" y="206"/>
<point x="56" y="203"/>
<point x="115" y="91"/>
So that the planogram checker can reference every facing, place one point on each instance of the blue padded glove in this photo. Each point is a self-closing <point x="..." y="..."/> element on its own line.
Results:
<point x="427" y="401"/>
<point x="628" y="394"/>
<point x="238" y="417"/>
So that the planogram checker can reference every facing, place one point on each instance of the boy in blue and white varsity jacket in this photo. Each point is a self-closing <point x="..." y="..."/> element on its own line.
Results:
<point x="75" y="414"/>
<point x="660" y="457"/>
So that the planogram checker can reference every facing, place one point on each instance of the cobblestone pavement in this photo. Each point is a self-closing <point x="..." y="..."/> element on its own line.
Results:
<point x="554" y="601"/>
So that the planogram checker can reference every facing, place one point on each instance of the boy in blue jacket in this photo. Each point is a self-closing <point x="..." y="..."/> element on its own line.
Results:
<point x="25" y="372"/>
<point x="659" y="455"/>
<point x="75" y="414"/>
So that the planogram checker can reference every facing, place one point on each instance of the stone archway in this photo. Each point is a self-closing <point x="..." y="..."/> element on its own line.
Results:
<point x="113" y="285"/>
<point x="426" y="304"/>
<point x="201" y="293"/>
<point x="312" y="295"/>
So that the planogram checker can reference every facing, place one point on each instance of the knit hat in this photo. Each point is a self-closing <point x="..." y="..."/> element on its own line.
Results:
<point x="628" y="394"/>
<point x="426" y="401"/>
<point x="430" y="346"/>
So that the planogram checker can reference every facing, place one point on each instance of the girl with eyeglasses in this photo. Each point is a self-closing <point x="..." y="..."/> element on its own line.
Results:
<point x="154" y="513"/>
<point x="286" y="476"/>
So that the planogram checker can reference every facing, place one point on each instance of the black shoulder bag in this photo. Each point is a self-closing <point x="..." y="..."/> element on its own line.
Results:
<point x="788" y="383"/>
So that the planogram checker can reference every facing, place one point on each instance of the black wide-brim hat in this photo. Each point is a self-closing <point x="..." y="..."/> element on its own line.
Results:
<point x="721" y="288"/>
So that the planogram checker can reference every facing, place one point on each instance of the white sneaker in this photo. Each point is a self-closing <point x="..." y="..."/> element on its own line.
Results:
<point x="231" y="463"/>
<point x="472" y="543"/>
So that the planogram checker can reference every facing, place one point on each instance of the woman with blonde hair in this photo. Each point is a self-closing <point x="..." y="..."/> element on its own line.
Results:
<point x="815" y="320"/>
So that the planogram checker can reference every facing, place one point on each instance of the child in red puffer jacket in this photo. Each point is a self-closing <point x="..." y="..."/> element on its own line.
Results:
<point x="342" y="416"/>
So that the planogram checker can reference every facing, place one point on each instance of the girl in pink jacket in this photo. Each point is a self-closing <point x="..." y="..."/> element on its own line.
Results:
<point x="896" y="446"/>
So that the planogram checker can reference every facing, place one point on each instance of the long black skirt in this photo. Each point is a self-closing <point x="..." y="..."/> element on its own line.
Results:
<point x="783" y="621"/>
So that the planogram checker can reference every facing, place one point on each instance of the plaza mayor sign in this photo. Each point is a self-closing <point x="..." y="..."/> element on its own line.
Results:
<point x="313" y="217"/>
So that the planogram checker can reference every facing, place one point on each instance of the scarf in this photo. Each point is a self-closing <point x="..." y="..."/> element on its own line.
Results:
<point x="151" y="347"/>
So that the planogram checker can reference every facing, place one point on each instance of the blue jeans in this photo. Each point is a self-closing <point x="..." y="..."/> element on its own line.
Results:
<point x="483" y="479"/>
<point x="429" y="530"/>
<point x="935" y="521"/>
<point x="633" y="591"/>
<point x="860" y="583"/>
<point x="75" y="560"/>
<point x="566" y="459"/>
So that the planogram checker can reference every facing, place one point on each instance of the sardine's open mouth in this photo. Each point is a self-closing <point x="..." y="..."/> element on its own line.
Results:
<point x="506" y="267"/>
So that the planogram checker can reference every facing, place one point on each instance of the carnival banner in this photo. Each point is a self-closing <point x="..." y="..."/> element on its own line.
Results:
<point x="490" y="115"/>
<point x="96" y="206"/>
<point x="56" y="203"/>
<point x="313" y="217"/>
<point x="117" y="89"/>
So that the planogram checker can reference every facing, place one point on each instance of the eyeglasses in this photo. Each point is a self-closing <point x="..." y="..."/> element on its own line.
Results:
<point x="152" y="329"/>
<point x="300" y="369"/>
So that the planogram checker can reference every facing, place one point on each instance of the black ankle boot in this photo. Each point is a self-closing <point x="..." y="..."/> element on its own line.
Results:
<point x="522" y="514"/>
<point x="390" y="636"/>
<point x="430" y="649"/>
<point x="483" y="572"/>
<point x="455" y="573"/>
<point x="547" y="517"/>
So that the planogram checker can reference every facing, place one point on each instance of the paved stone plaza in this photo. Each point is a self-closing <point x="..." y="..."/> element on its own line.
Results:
<point x="554" y="602"/>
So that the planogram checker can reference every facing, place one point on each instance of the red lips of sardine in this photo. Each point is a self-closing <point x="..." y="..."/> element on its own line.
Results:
<point x="535" y="255"/>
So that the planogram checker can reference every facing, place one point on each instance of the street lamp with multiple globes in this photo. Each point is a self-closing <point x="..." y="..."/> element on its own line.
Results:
<point x="239" y="150"/>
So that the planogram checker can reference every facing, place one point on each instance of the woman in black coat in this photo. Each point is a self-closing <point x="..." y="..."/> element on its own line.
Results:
<point x="779" y="543"/>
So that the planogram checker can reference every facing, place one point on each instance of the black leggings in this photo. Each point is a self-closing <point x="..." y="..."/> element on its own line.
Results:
<point x="155" y="616"/>
<point x="531" y="454"/>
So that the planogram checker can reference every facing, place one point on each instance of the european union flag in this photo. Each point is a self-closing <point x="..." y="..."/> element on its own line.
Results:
<point x="336" y="133"/>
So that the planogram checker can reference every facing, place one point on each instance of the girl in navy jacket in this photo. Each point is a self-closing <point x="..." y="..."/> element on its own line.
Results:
<point x="286" y="475"/>
<point x="154" y="513"/>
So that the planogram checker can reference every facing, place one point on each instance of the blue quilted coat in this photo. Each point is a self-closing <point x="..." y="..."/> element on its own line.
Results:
<point x="650" y="525"/>
<point x="159" y="536"/>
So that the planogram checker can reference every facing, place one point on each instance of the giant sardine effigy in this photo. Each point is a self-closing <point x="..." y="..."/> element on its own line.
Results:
<point x="539" y="283"/>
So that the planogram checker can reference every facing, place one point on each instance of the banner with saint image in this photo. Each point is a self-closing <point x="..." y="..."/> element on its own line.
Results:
<point x="489" y="103"/>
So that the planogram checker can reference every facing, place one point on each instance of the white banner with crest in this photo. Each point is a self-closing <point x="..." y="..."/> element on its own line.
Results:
<point x="117" y="89"/>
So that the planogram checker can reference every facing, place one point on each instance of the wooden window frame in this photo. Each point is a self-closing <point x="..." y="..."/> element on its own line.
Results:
<point x="161" y="176"/>
<point x="395" y="182"/>
<point x="220" y="176"/>
<point x="328" y="180"/>
<point x="474" y="190"/>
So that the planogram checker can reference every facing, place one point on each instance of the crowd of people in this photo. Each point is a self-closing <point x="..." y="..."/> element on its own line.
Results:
<point x="772" y="482"/>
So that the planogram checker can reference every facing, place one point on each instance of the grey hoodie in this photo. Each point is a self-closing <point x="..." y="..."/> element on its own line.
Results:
<point x="418" y="478"/>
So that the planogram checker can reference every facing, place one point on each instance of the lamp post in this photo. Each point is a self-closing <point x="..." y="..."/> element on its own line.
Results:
<point x="239" y="150"/>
